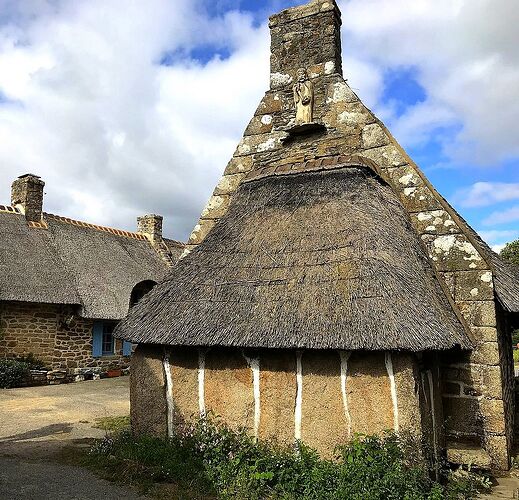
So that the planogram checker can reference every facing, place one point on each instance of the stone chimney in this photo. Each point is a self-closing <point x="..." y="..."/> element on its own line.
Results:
<point x="27" y="196"/>
<point x="151" y="226"/>
<point x="306" y="37"/>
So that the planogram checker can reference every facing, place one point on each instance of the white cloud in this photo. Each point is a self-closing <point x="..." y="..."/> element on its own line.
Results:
<point x="483" y="194"/>
<point x="465" y="58"/>
<point x="502" y="217"/>
<point x="113" y="133"/>
<point x="495" y="237"/>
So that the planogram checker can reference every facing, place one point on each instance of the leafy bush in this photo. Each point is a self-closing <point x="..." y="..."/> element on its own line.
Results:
<point x="511" y="252"/>
<point x="515" y="353"/>
<point x="210" y="460"/>
<point x="12" y="372"/>
<point x="33" y="362"/>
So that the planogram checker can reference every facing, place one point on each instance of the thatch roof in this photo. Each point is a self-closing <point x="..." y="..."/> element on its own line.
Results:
<point x="70" y="262"/>
<point x="311" y="260"/>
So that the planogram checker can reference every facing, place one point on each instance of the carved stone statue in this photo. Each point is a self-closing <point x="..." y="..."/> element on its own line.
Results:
<point x="303" y="98"/>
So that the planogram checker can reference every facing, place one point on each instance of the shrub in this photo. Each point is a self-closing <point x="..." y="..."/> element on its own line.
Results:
<point x="208" y="458"/>
<point x="12" y="372"/>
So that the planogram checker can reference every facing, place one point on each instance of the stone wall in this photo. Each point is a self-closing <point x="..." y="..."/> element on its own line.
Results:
<point x="322" y="399"/>
<point x="46" y="331"/>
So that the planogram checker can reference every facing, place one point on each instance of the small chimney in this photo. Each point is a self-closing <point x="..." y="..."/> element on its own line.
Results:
<point x="151" y="226"/>
<point x="307" y="37"/>
<point x="27" y="196"/>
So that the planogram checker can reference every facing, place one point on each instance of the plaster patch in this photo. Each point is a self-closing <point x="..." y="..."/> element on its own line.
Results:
<point x="243" y="148"/>
<point x="406" y="179"/>
<point x="279" y="79"/>
<point x="409" y="191"/>
<point x="486" y="277"/>
<point x="266" y="119"/>
<point x="329" y="67"/>
<point x="447" y="243"/>
<point x="423" y="216"/>
<point x="268" y="145"/>
<point x="341" y="93"/>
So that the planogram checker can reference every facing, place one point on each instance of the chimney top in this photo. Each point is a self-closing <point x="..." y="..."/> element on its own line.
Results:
<point x="27" y="196"/>
<point x="151" y="226"/>
<point x="309" y="37"/>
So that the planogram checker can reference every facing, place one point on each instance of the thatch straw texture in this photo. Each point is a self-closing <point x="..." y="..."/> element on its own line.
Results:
<point x="70" y="263"/>
<point x="316" y="260"/>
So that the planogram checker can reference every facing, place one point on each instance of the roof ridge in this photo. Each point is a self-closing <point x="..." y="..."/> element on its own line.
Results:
<point x="106" y="229"/>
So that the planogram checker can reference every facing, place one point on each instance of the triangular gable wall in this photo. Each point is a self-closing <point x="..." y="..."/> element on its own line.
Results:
<point x="309" y="37"/>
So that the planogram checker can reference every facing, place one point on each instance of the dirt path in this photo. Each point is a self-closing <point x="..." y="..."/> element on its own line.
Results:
<point x="43" y="427"/>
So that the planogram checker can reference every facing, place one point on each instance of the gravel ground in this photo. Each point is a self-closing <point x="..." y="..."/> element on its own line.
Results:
<point x="42" y="428"/>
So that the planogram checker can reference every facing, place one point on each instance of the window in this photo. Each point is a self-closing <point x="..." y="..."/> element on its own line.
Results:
<point x="108" y="339"/>
<point x="103" y="341"/>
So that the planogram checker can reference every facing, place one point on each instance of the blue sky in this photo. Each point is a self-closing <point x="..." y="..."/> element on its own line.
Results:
<point x="132" y="107"/>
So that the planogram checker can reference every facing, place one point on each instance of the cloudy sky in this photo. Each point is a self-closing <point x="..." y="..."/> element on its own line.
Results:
<point x="127" y="107"/>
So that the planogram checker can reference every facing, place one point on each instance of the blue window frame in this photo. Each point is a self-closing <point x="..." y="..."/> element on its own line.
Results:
<point x="103" y="341"/>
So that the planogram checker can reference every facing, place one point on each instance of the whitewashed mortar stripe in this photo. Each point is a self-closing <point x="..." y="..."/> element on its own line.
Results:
<point x="169" y="393"/>
<point x="201" y="382"/>
<point x="391" y="375"/>
<point x="345" y="356"/>
<point x="254" y="364"/>
<point x="299" y="396"/>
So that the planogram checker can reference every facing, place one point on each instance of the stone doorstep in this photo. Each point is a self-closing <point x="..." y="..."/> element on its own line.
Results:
<point x="462" y="454"/>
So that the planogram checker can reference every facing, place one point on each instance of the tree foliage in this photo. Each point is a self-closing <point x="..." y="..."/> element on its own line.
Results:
<point x="511" y="252"/>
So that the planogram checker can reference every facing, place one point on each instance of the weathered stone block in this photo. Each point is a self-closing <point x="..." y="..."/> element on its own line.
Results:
<point x="386" y="156"/>
<point x="434" y="222"/>
<point x="460" y="454"/>
<point x="461" y="415"/>
<point x="478" y="313"/>
<point x="419" y="199"/>
<point x="241" y="164"/>
<point x="373" y="136"/>
<point x="259" y="143"/>
<point x="485" y="353"/>
<point x="228" y="184"/>
<point x="493" y="413"/>
<point x="496" y="446"/>
<point x="216" y="207"/>
<point x="473" y="285"/>
<point x="453" y="252"/>
<point x="340" y="92"/>
<point x="271" y="103"/>
<point x="201" y="230"/>
<point x="260" y="124"/>
<point x="484" y="333"/>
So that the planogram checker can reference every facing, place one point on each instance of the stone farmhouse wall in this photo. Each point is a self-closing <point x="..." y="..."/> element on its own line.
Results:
<point x="41" y="329"/>
<point x="319" y="397"/>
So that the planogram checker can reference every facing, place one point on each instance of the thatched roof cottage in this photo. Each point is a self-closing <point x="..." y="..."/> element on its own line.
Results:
<point x="328" y="288"/>
<point x="64" y="283"/>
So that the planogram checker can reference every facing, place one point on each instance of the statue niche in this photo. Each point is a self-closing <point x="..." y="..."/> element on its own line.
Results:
<point x="303" y="98"/>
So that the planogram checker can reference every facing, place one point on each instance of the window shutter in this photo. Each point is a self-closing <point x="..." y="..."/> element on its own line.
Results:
<point x="97" y="339"/>
<point x="127" y="348"/>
